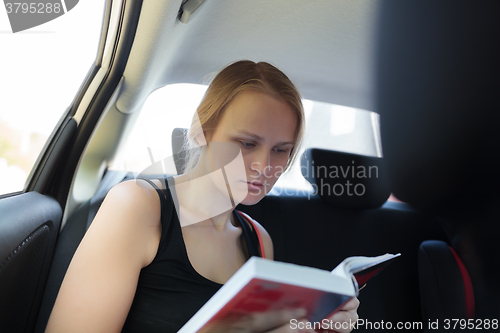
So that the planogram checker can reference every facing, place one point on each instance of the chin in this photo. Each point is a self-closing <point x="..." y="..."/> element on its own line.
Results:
<point x="246" y="196"/>
<point x="252" y="198"/>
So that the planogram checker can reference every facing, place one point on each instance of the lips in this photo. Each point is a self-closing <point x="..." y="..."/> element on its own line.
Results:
<point x="255" y="186"/>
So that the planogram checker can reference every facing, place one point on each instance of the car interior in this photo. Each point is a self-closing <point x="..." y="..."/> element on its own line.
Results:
<point x="430" y="71"/>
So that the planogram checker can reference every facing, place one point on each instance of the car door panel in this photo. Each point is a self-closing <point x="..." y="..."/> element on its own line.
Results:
<point x="29" y="224"/>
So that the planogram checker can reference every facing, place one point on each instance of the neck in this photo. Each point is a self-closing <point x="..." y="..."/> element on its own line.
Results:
<point x="203" y="197"/>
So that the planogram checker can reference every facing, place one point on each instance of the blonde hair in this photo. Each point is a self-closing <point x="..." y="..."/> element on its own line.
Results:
<point x="233" y="79"/>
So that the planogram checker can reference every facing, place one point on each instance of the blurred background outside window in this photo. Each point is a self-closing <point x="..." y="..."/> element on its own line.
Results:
<point x="41" y="70"/>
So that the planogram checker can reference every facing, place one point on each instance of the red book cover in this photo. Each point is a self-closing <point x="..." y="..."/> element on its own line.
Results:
<point x="262" y="288"/>
<point x="262" y="296"/>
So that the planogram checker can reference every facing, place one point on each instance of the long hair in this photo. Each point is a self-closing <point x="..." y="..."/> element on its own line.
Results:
<point x="237" y="77"/>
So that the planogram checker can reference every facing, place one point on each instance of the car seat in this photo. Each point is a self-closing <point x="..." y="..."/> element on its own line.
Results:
<point x="437" y="87"/>
<point x="445" y="286"/>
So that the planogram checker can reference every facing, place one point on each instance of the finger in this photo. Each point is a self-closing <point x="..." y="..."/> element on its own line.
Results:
<point x="300" y="326"/>
<point x="343" y="321"/>
<point x="353" y="304"/>
<point x="344" y="315"/>
<point x="264" y="322"/>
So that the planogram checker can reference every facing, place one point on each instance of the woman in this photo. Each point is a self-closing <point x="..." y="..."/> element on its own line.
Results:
<point x="152" y="258"/>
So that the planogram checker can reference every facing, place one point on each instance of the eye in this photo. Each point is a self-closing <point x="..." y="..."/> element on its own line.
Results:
<point x="247" y="144"/>
<point x="282" y="150"/>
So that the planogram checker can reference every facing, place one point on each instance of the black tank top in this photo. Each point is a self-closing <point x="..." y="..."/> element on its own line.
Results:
<point x="170" y="291"/>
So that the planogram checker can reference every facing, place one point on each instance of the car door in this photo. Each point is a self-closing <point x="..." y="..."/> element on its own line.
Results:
<point x="29" y="225"/>
<point x="32" y="217"/>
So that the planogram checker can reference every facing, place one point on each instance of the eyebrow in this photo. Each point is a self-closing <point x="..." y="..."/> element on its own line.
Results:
<point x="258" y="138"/>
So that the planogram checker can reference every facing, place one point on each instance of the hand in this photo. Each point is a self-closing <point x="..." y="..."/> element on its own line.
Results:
<point x="288" y="321"/>
<point x="293" y="324"/>
<point x="294" y="328"/>
<point x="264" y="322"/>
<point x="344" y="319"/>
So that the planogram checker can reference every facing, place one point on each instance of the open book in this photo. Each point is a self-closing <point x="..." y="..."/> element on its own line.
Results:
<point x="261" y="287"/>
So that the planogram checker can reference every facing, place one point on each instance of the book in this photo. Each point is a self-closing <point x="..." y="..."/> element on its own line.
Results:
<point x="262" y="287"/>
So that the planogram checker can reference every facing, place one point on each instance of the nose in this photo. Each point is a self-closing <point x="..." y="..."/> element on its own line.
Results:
<point x="261" y="163"/>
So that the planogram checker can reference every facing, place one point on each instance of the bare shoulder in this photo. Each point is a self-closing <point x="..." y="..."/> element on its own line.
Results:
<point x="266" y="239"/>
<point x="134" y="195"/>
<point x="101" y="280"/>
<point x="132" y="209"/>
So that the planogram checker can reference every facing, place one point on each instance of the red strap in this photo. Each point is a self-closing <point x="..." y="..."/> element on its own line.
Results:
<point x="469" y="292"/>
<point x="252" y="223"/>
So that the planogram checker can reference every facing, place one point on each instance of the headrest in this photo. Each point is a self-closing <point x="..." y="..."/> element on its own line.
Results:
<point x="437" y="93"/>
<point x="346" y="180"/>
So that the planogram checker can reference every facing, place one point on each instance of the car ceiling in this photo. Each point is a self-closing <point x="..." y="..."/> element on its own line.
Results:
<point x="324" y="46"/>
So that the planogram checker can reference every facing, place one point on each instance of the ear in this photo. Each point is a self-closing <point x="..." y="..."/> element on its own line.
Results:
<point x="200" y="138"/>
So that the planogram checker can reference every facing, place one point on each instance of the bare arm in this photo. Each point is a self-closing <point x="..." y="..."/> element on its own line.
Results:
<point x="99" y="286"/>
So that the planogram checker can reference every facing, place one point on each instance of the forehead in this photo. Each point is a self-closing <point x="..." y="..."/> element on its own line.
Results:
<point x="260" y="114"/>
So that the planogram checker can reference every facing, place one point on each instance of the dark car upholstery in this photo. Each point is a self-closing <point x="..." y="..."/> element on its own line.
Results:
<point x="24" y="264"/>
<point x="445" y="286"/>
<point x="437" y="87"/>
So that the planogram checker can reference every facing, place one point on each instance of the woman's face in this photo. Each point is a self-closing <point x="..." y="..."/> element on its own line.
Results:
<point x="263" y="128"/>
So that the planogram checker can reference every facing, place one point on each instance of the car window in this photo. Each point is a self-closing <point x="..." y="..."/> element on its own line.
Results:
<point x="42" y="69"/>
<point x="167" y="108"/>
<point x="328" y="126"/>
